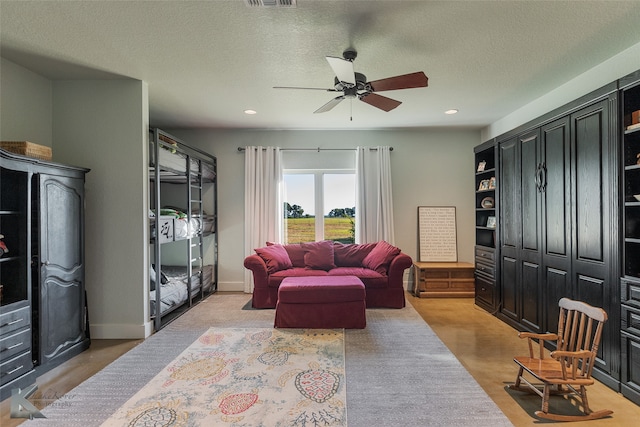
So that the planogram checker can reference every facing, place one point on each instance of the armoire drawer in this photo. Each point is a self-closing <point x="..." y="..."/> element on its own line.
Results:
<point x="630" y="293"/>
<point x="630" y="321"/>
<point x="485" y="254"/>
<point x="12" y="368"/>
<point x="488" y="270"/>
<point x="15" y="343"/>
<point x="14" y="320"/>
<point x="485" y="290"/>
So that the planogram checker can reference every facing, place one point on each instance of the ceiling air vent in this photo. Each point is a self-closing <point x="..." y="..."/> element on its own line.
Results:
<point x="270" y="3"/>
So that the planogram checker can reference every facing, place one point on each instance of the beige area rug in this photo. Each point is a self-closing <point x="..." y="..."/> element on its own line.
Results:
<point x="399" y="373"/>
<point x="246" y="377"/>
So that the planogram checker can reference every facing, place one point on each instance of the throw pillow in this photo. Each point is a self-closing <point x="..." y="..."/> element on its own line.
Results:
<point x="295" y="251"/>
<point x="276" y="258"/>
<point x="380" y="257"/>
<point x="319" y="255"/>
<point x="351" y="255"/>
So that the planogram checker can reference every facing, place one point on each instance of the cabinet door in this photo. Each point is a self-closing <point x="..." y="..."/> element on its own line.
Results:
<point x="510" y="236"/>
<point x="594" y="200"/>
<point x="61" y="315"/>
<point x="531" y="251"/>
<point x="556" y="219"/>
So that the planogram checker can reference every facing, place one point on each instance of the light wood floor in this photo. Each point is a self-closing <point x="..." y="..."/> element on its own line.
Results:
<point x="482" y="343"/>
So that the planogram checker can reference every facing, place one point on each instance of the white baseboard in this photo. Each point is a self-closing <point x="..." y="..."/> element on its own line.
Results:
<point x="231" y="286"/>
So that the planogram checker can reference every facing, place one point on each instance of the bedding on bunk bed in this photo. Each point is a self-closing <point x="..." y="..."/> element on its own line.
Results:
<point x="182" y="227"/>
<point x="177" y="162"/>
<point x="173" y="286"/>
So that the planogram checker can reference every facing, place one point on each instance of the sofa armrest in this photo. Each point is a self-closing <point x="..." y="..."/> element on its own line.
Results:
<point x="396" y="269"/>
<point x="259" y="269"/>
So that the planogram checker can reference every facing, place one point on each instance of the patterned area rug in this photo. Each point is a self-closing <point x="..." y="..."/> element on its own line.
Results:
<point x="247" y="377"/>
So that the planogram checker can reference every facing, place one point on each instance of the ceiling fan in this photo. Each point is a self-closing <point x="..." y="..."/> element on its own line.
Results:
<point x="355" y="85"/>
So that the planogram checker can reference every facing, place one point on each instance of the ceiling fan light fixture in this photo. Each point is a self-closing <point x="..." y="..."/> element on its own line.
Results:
<point x="451" y="111"/>
<point x="355" y="85"/>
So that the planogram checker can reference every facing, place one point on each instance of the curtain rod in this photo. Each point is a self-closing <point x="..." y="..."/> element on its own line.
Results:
<point x="318" y="149"/>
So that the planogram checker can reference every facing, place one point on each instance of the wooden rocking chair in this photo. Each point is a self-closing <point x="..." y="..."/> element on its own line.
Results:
<point x="568" y="369"/>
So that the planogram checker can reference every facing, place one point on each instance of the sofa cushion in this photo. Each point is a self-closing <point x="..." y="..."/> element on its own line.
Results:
<point x="275" y="256"/>
<point x="319" y="255"/>
<point x="380" y="257"/>
<point x="371" y="279"/>
<point x="351" y="255"/>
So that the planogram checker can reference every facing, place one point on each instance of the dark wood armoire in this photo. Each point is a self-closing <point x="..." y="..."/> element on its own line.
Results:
<point x="44" y="318"/>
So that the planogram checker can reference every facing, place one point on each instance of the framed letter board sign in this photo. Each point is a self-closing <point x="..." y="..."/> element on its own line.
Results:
<point x="437" y="234"/>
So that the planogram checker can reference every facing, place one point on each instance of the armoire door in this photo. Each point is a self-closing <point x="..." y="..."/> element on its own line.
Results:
<point x="520" y="242"/>
<point x="555" y="184"/>
<point x="594" y="201"/>
<point x="60" y="306"/>
<point x="531" y="250"/>
<point x="510" y="236"/>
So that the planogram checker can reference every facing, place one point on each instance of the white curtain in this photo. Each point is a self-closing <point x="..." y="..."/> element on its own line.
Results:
<point x="263" y="208"/>
<point x="374" y="200"/>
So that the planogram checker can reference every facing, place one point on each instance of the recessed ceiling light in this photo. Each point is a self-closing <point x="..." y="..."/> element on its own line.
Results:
<point x="452" y="111"/>
<point x="250" y="112"/>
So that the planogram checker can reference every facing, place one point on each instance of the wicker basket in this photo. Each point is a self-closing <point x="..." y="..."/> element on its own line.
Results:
<point x="27" y="148"/>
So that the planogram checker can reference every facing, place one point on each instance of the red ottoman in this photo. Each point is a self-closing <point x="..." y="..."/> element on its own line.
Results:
<point x="325" y="302"/>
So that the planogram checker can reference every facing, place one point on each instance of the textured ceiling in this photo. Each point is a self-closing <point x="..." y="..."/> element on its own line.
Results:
<point x="206" y="62"/>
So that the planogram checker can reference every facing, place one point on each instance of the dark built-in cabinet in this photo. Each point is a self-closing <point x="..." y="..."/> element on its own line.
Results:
<point x="44" y="318"/>
<point x="630" y="277"/>
<point x="486" y="226"/>
<point x="568" y="224"/>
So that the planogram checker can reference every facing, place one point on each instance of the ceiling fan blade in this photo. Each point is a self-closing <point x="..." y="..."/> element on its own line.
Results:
<point x="343" y="69"/>
<point x="406" y="81"/>
<point x="329" y="105"/>
<point x="306" y="88"/>
<point x="379" y="101"/>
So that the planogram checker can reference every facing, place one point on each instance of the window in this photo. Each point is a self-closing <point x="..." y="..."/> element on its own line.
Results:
<point x="326" y="194"/>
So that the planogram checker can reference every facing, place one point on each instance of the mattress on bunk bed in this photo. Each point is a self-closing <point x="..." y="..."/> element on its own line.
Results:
<point x="207" y="170"/>
<point x="174" y="292"/>
<point x="173" y="161"/>
<point x="184" y="228"/>
<point x="178" y="162"/>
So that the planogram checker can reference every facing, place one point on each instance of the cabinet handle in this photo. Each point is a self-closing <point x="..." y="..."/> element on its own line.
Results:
<point x="14" y="370"/>
<point x="12" y="346"/>
<point x="543" y="177"/>
<point x="13" y="322"/>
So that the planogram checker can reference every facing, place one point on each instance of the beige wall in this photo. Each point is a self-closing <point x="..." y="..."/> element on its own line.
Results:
<point x="611" y="70"/>
<point x="430" y="167"/>
<point x="103" y="126"/>
<point x="25" y="105"/>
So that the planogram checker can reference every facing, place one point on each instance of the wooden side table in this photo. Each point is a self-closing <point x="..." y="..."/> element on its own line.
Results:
<point x="443" y="279"/>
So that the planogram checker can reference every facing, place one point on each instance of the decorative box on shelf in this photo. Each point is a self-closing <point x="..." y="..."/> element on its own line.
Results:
<point x="28" y="149"/>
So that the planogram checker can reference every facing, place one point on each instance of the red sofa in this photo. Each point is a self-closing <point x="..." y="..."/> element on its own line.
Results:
<point x="379" y="265"/>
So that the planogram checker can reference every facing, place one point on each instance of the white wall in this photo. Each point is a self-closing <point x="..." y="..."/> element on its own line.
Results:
<point x="25" y="105"/>
<point x="103" y="125"/>
<point x="611" y="70"/>
<point x="429" y="167"/>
